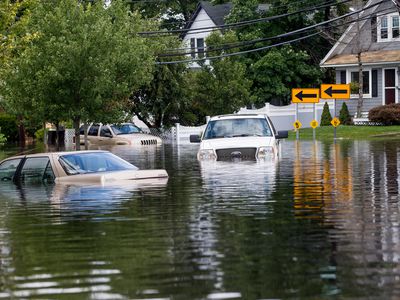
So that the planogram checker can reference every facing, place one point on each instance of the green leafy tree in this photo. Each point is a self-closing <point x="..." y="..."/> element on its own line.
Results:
<point x="84" y="63"/>
<point x="280" y="70"/>
<point x="222" y="86"/>
<point x="162" y="102"/>
<point x="326" y="116"/>
<point x="344" y="115"/>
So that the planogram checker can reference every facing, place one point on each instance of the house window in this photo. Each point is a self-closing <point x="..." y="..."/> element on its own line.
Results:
<point x="200" y="48"/>
<point x="384" y="28"/>
<point x="354" y="78"/>
<point x="388" y="28"/>
<point x="395" y="27"/>
<point x="197" y="47"/>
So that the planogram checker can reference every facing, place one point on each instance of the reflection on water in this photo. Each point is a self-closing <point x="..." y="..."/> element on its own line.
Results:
<point x="320" y="222"/>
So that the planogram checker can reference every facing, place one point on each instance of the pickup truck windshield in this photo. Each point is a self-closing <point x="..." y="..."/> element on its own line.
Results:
<point x="228" y="128"/>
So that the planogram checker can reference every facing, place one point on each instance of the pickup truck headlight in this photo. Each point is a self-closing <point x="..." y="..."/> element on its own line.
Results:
<point x="205" y="154"/>
<point x="264" y="152"/>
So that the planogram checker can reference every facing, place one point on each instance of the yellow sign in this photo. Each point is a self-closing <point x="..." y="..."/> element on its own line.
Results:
<point x="305" y="95"/>
<point x="314" y="123"/>
<point x="335" y="91"/>
<point x="335" y="122"/>
<point x="297" y="124"/>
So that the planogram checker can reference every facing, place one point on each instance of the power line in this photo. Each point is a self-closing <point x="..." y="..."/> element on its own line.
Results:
<point x="242" y="23"/>
<point x="275" y="45"/>
<point x="238" y="53"/>
<point x="292" y="3"/>
<point x="228" y="46"/>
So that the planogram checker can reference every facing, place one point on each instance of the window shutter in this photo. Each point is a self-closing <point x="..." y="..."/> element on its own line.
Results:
<point x="343" y="78"/>
<point x="193" y="47"/>
<point x="374" y="83"/>
<point x="374" y="29"/>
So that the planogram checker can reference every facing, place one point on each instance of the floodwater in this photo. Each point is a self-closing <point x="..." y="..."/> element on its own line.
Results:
<point x="322" y="222"/>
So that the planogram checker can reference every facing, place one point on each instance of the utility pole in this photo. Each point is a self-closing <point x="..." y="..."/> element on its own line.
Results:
<point x="360" y="66"/>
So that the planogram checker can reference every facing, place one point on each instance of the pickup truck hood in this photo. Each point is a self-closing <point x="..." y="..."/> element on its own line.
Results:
<point x="238" y="142"/>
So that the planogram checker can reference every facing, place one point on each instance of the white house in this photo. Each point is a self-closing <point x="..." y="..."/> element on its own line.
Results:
<point x="206" y="15"/>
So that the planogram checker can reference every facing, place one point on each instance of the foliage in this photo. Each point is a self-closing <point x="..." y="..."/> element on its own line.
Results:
<point x="326" y="117"/>
<point x="222" y="86"/>
<point x="14" y="16"/>
<point x="84" y="63"/>
<point x="162" y="101"/>
<point x="354" y="87"/>
<point x="9" y="126"/>
<point x="39" y="134"/>
<point x="3" y="138"/>
<point x="280" y="70"/>
<point x="344" y="115"/>
<point x="386" y="114"/>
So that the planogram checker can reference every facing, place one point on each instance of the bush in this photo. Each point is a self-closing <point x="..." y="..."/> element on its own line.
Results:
<point x="326" y="117"/>
<point x="39" y="135"/>
<point x="344" y="115"/>
<point x="386" y="114"/>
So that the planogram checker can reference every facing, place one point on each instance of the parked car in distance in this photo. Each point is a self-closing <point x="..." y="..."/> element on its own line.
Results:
<point x="238" y="137"/>
<point x="118" y="134"/>
<point x="77" y="167"/>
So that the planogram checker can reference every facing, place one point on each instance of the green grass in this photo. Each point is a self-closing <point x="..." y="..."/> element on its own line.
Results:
<point x="349" y="132"/>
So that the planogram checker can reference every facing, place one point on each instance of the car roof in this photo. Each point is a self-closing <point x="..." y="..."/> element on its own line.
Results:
<point x="55" y="153"/>
<point x="237" y="116"/>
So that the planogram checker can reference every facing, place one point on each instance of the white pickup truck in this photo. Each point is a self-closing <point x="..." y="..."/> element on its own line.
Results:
<point x="238" y="137"/>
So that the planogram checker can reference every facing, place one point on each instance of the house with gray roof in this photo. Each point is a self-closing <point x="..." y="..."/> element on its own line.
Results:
<point x="377" y="38"/>
<point x="206" y="15"/>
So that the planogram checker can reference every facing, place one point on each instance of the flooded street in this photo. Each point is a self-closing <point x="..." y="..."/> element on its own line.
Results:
<point x="322" y="222"/>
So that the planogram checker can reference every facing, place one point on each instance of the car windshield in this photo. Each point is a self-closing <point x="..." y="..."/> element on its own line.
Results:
<point x="237" y="128"/>
<point x="125" y="129"/>
<point x="83" y="163"/>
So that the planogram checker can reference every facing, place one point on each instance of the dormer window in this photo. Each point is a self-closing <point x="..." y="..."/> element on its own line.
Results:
<point x="197" y="47"/>
<point x="384" y="28"/>
<point x="388" y="28"/>
<point x="395" y="27"/>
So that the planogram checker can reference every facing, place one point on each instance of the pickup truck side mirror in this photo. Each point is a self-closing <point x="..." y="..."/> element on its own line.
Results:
<point x="282" y="134"/>
<point x="195" y="138"/>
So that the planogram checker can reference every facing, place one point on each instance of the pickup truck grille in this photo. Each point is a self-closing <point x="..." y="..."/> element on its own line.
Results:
<point x="236" y="153"/>
<point x="148" y="142"/>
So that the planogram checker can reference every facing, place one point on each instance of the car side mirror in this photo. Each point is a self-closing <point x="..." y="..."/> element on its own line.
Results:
<point x="195" y="138"/>
<point x="282" y="134"/>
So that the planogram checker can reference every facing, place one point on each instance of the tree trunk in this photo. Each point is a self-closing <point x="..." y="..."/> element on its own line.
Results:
<point x="144" y="120"/>
<point x="57" y="136"/>
<point x="360" y="86"/>
<point x="77" y="123"/>
<point x="85" y="128"/>
<point x="21" y="131"/>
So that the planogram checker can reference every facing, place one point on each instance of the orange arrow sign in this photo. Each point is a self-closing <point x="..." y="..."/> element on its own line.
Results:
<point x="335" y="91"/>
<point x="305" y="95"/>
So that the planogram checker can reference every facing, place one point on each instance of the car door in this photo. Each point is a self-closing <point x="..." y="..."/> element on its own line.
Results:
<point x="8" y="169"/>
<point x="106" y="136"/>
<point x="93" y="134"/>
<point x="36" y="170"/>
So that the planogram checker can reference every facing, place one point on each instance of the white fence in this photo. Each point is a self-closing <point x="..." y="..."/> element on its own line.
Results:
<point x="283" y="118"/>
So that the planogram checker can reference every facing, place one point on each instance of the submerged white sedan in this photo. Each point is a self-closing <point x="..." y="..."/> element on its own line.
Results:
<point x="76" y="167"/>
<point x="238" y="137"/>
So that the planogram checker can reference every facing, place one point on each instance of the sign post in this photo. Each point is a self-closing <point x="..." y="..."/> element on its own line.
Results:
<point x="303" y="95"/>
<point x="335" y="92"/>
